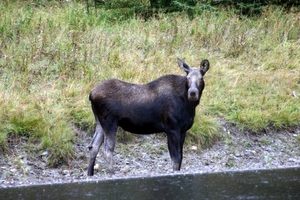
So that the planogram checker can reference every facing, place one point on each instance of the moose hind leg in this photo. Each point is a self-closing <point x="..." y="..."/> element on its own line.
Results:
<point x="94" y="147"/>
<point x="175" y="150"/>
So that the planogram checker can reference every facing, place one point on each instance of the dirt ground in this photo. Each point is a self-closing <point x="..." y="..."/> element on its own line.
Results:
<point x="147" y="155"/>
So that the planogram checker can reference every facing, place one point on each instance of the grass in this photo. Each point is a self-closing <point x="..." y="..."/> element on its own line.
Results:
<point x="51" y="56"/>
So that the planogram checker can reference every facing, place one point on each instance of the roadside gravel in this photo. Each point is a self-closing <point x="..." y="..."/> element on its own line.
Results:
<point x="147" y="155"/>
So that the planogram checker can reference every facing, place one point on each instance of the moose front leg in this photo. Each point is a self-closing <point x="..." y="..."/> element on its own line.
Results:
<point x="175" y="149"/>
<point x="182" y="138"/>
<point x="94" y="147"/>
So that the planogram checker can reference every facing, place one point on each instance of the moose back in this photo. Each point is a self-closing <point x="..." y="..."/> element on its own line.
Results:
<point x="166" y="104"/>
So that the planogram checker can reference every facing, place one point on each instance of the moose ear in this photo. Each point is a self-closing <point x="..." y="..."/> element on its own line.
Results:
<point x="204" y="66"/>
<point x="183" y="66"/>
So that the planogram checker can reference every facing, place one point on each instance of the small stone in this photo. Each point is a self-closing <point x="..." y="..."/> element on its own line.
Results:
<point x="194" y="148"/>
<point x="65" y="172"/>
<point x="44" y="153"/>
<point x="96" y="167"/>
<point x="294" y="160"/>
<point x="81" y="155"/>
<point x="125" y="169"/>
<point x="13" y="170"/>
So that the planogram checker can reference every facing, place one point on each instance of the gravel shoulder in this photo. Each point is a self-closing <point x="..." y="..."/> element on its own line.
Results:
<point x="147" y="155"/>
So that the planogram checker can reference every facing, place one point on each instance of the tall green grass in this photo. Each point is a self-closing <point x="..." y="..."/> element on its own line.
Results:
<point x="51" y="56"/>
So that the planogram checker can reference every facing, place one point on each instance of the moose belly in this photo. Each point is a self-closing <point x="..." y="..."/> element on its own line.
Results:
<point x="140" y="125"/>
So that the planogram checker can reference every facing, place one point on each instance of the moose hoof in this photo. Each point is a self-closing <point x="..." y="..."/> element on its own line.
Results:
<point x="176" y="166"/>
<point x="90" y="173"/>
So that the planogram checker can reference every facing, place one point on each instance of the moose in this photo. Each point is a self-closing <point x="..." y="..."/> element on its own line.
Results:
<point x="166" y="104"/>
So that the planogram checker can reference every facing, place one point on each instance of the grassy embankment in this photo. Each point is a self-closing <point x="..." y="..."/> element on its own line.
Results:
<point x="50" y="58"/>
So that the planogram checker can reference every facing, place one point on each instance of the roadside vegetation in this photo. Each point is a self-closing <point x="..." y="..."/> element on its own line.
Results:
<point x="52" y="55"/>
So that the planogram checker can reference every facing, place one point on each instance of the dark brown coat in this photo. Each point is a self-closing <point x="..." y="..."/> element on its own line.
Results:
<point x="166" y="104"/>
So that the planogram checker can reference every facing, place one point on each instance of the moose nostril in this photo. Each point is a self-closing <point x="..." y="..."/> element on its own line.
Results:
<point x="193" y="94"/>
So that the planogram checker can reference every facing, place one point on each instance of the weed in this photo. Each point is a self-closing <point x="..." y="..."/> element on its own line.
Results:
<point x="149" y="146"/>
<point x="230" y="164"/>
<point x="267" y="160"/>
<point x="298" y="138"/>
<point x="204" y="132"/>
<point x="124" y="136"/>
<point x="21" y="164"/>
<point x="265" y="141"/>
<point x="228" y="142"/>
<point x="247" y="144"/>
